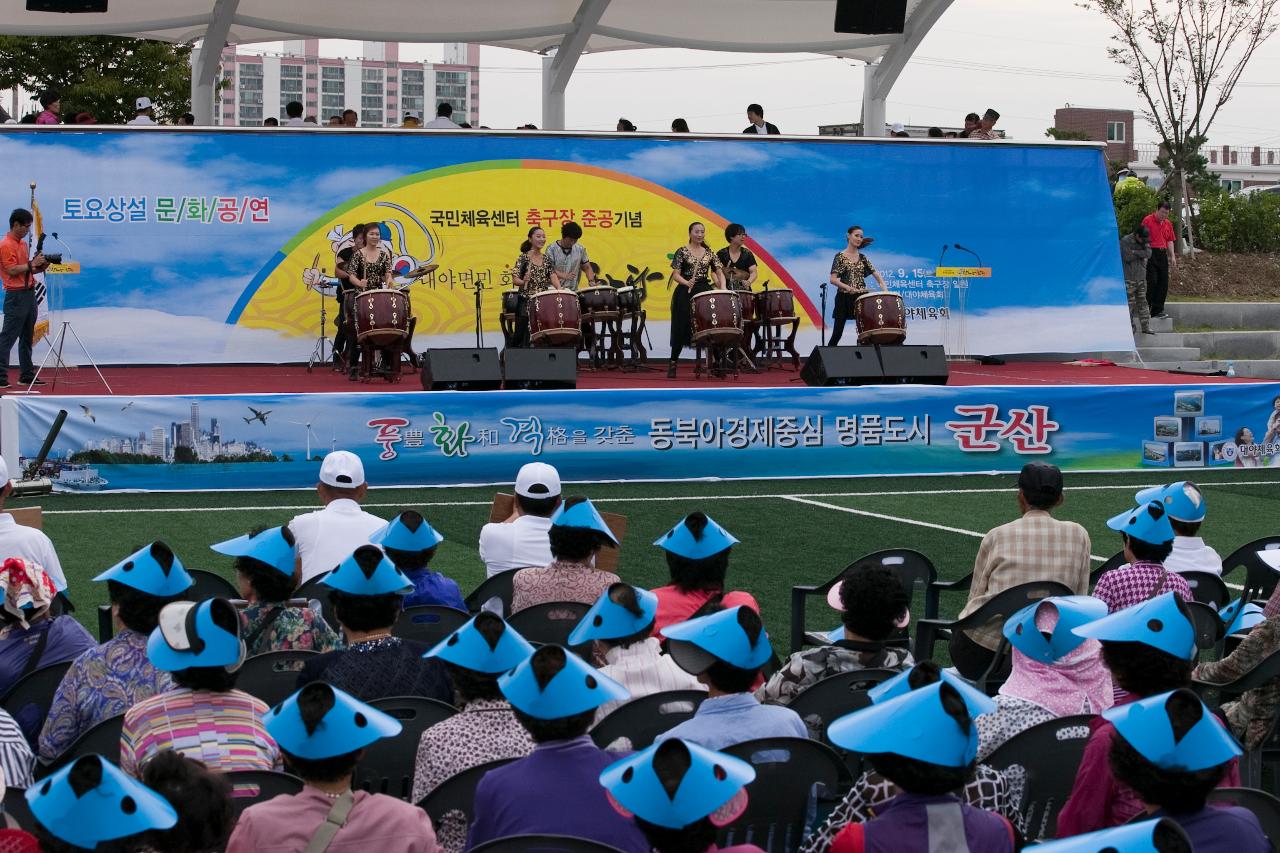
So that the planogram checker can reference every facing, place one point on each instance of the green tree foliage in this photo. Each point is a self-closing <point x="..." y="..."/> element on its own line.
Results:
<point x="1240" y="223"/>
<point x="100" y="74"/>
<point x="1066" y="135"/>
<point x="1133" y="202"/>
<point x="102" y="457"/>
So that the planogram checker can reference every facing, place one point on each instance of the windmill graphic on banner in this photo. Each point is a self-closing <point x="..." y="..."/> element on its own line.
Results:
<point x="309" y="431"/>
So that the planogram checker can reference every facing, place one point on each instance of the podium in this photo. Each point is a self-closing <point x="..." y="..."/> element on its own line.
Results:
<point x="957" y="279"/>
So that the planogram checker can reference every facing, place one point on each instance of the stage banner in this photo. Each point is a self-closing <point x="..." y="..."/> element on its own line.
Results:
<point x="277" y="440"/>
<point x="197" y="246"/>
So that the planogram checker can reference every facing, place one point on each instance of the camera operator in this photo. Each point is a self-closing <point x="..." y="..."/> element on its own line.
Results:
<point x="16" y="271"/>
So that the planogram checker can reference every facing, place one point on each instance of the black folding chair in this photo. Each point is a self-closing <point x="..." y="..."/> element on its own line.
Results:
<point x="1207" y="625"/>
<point x="209" y="585"/>
<point x="1115" y="561"/>
<point x="792" y="774"/>
<point x="1050" y="753"/>
<point x="544" y="624"/>
<point x="1207" y="588"/>
<point x="429" y="623"/>
<point x="1265" y="807"/>
<point x="642" y="720"/>
<point x="272" y="676"/>
<point x="28" y="700"/>
<point x="250" y="787"/>
<point x="1265" y="672"/>
<point x="457" y="794"/>
<point x="17" y="808"/>
<point x="498" y="586"/>
<point x="313" y="589"/>
<point x="543" y="844"/>
<point x="827" y="700"/>
<point x="1259" y="578"/>
<point x="103" y="738"/>
<point x="387" y="766"/>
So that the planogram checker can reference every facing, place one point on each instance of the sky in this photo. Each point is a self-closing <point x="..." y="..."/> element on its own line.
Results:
<point x="1025" y="59"/>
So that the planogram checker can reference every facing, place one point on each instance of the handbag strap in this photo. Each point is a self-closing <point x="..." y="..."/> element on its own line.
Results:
<point x="334" y="821"/>
<point x="37" y="653"/>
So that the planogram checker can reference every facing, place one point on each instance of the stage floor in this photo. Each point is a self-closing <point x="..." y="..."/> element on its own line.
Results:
<point x="276" y="379"/>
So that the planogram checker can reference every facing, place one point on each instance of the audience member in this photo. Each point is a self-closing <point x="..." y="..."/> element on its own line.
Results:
<point x="111" y="678"/>
<point x="1186" y="508"/>
<point x="555" y="695"/>
<point x="323" y="734"/>
<point x="293" y="113"/>
<point x="311" y="120"/>
<point x="680" y="794"/>
<point x="1253" y="715"/>
<point x="444" y="118"/>
<point x="986" y="126"/>
<point x="51" y="104"/>
<point x="620" y="627"/>
<point x="1148" y="541"/>
<point x="271" y="121"/>
<point x="1173" y="751"/>
<point x="522" y="541"/>
<point x="187" y="120"/>
<point x="697" y="553"/>
<point x="1035" y="547"/>
<point x="201" y="798"/>
<point x="679" y="125"/>
<point x="725" y="651"/>
<point x="899" y="130"/>
<point x="266" y="568"/>
<point x="85" y="118"/>
<point x="367" y="591"/>
<point x="1056" y="672"/>
<point x="204" y="716"/>
<point x="410" y="543"/>
<point x="30" y="636"/>
<point x="755" y="115"/>
<point x="873" y="606"/>
<point x="577" y="534"/>
<point x="17" y="761"/>
<point x="18" y="540"/>
<point x="412" y="120"/>
<point x="327" y="536"/>
<point x="350" y="118"/>
<point x="936" y="133"/>
<point x="91" y="805"/>
<point x="624" y="126"/>
<point x="485" y="729"/>
<point x="972" y="122"/>
<point x="144" y="112"/>
<point x="335" y="120"/>
<point x="1134" y="254"/>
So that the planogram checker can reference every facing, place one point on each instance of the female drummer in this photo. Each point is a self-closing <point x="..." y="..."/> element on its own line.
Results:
<point x="534" y="272"/>
<point x="368" y="268"/>
<point x="738" y="261"/>
<point x="849" y="273"/>
<point x="695" y="269"/>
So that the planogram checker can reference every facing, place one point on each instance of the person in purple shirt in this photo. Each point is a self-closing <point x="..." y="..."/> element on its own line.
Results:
<point x="30" y="637"/>
<point x="410" y="543"/>
<point x="556" y="789"/>
<point x="1173" y="751"/>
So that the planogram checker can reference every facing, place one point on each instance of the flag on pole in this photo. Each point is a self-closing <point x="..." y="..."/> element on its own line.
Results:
<point x="42" y="294"/>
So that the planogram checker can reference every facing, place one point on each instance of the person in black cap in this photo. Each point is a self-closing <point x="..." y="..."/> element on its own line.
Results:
<point x="986" y="127"/>
<point x="1035" y="547"/>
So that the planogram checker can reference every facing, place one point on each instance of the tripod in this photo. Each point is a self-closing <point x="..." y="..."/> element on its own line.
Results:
<point x="56" y="347"/>
<point x="317" y="354"/>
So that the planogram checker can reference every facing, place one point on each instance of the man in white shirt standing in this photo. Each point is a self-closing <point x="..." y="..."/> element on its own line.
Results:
<point x="444" y="118"/>
<point x="523" y="540"/>
<point x="145" y="112"/>
<point x="327" y="536"/>
<point x="1185" y="505"/>
<point x="293" y="110"/>
<point x="17" y="540"/>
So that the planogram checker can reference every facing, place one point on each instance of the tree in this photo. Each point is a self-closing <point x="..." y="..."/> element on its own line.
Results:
<point x="1067" y="135"/>
<point x="184" y="455"/>
<point x="1185" y="57"/>
<point x="103" y="75"/>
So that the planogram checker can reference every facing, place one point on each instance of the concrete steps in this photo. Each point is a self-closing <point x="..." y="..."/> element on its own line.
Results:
<point x="1202" y="337"/>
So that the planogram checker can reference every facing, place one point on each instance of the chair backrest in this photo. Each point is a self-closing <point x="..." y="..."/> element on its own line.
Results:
<point x="17" y="807"/>
<point x="791" y="773"/>
<point x="1207" y="588"/>
<point x="1259" y="578"/>
<point x="544" y="844"/>
<point x="1207" y="624"/>
<point x="552" y="622"/>
<point x="429" y="623"/>
<point x="1050" y="753"/>
<point x="272" y="676"/>
<point x="102" y="738"/>
<point x="824" y="701"/>
<point x="209" y="585"/>
<point x="28" y="700"/>
<point x="641" y="720"/>
<point x="388" y="764"/>
<point x="1264" y="671"/>
<point x="249" y="787"/>
<point x="498" y="586"/>
<point x="1265" y="807"/>
<point x="1114" y="562"/>
<point x="457" y="793"/>
<point x="1004" y="604"/>
<point x="313" y="589"/>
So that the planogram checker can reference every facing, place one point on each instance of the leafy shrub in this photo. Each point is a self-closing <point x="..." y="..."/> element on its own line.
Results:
<point x="1240" y="223"/>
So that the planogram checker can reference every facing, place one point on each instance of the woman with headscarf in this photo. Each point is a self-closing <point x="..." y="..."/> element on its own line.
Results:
<point x="30" y="636"/>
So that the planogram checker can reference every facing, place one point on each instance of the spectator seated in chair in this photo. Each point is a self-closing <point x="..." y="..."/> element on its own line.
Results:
<point x="201" y="797"/>
<point x="29" y="637"/>
<point x="19" y="540"/>
<point x="1150" y="649"/>
<point x="204" y="716"/>
<point x="697" y="551"/>
<point x="680" y="794"/>
<point x="410" y="543"/>
<point x="111" y="678"/>
<point x="725" y="651"/>
<point x="1173" y="751"/>
<point x="620" y="625"/>
<point x="873" y="605"/>
<point x="1148" y="541"/>
<point x="521" y="541"/>
<point x="577" y="533"/>
<point x="323" y="733"/>
<point x="486" y="729"/>
<point x="266" y="577"/>
<point x="1186" y="507"/>
<point x="93" y="805"/>
<point x="366" y="596"/>
<point x="556" y="789"/>
<point x="1056" y="673"/>
<point x="924" y="741"/>
<point x="325" y="537"/>
<point x="1253" y="715"/>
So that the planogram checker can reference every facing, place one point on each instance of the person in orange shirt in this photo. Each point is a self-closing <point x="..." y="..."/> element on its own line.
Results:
<point x="16" y="270"/>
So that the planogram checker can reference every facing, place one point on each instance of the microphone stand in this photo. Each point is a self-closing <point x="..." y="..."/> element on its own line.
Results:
<point x="822" y="288"/>
<point x="478" y="287"/>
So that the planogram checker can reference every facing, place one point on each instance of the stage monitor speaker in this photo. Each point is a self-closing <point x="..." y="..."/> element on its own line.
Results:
<point x="66" y="5"/>
<point x="915" y="365"/>
<point x="541" y="368"/>
<point x="871" y="17"/>
<point x="842" y="366"/>
<point x="461" y="369"/>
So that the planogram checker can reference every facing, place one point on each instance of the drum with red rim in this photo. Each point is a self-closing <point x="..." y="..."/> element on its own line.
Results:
<point x="598" y="303"/>
<point x="717" y="317"/>
<point x="775" y="305"/>
<point x="381" y="317"/>
<point x="554" y="318"/>
<point x="880" y="318"/>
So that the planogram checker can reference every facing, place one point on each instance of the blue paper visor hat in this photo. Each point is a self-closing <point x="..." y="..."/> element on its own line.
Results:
<point x="735" y="636"/>
<point x="1183" y="500"/>
<point x="368" y="571"/>
<point x="484" y="644"/>
<point x="676" y="783"/>
<point x="346" y="724"/>
<point x="1238" y="616"/>
<point x="553" y="683"/>
<point x="1148" y="726"/>
<point x="273" y="546"/>
<point x="191" y="635"/>
<point x="91" y="801"/>
<point x="408" y="531"/>
<point x="1131" y="838"/>
<point x="1073" y="611"/>
<point x="1148" y="522"/>
<point x="621" y="611"/>
<point x="901" y="684"/>
<point x="153" y="569"/>
<point x="580" y="512"/>
<point x="914" y="725"/>
<point x="693" y="543"/>
<point x="1162" y="623"/>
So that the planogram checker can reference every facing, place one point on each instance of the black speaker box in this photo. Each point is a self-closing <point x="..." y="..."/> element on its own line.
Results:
<point x="914" y="365"/>
<point x="541" y="368"/>
<point x="842" y="366"/>
<point x="461" y="369"/>
<point x="66" y="5"/>
<point x="871" y="17"/>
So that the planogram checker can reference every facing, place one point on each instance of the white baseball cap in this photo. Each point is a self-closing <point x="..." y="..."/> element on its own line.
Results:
<point x="538" y="480"/>
<point x="143" y="103"/>
<point x="413" y="114"/>
<point x="898" y="127"/>
<point x="342" y="469"/>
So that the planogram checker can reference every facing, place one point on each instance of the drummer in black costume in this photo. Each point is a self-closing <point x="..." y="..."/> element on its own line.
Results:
<point x="533" y="273"/>
<point x="739" y="263"/>
<point x="849" y="273"/>
<point x="344" y="340"/>
<point x="695" y="269"/>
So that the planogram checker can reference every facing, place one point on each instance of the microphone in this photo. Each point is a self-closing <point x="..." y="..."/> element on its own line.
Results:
<point x="970" y="251"/>
<point x="941" y="257"/>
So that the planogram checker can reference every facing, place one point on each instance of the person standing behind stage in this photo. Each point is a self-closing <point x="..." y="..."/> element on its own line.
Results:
<point x="849" y="273"/>
<point x="755" y="115"/>
<point x="16" y="268"/>
<point x="534" y="273"/>
<point x="1162" y="241"/>
<point x="569" y="257"/>
<point x="739" y="263"/>
<point x="695" y="269"/>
